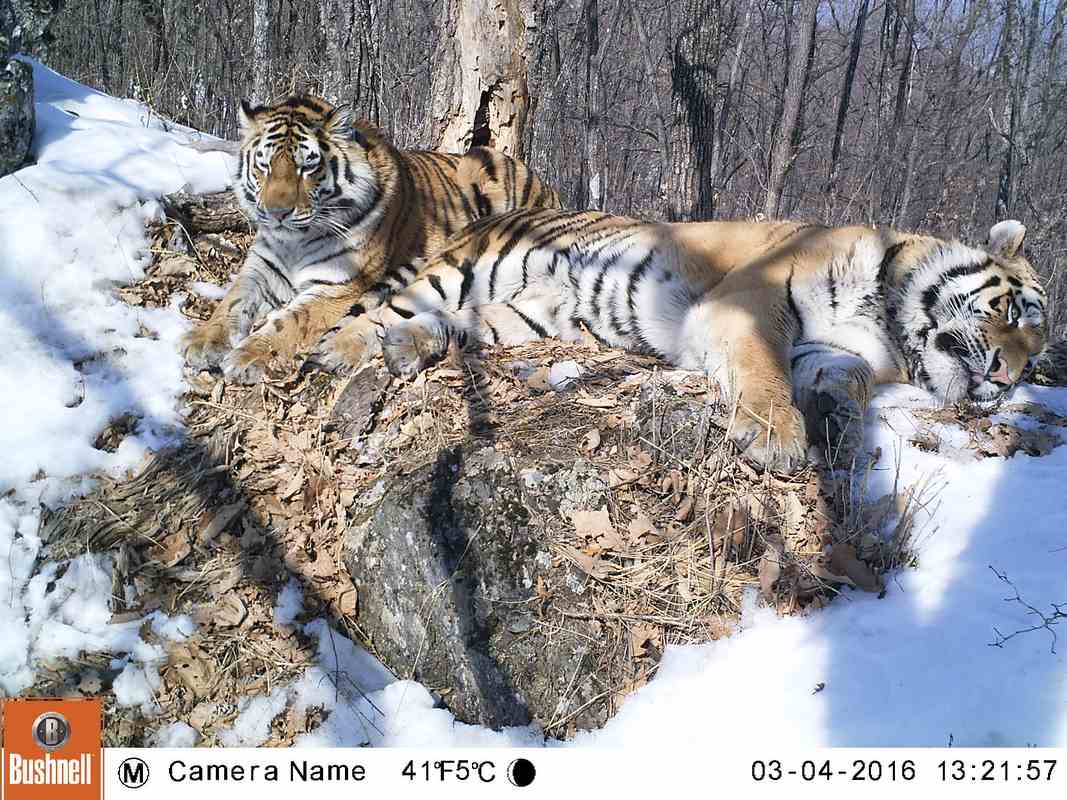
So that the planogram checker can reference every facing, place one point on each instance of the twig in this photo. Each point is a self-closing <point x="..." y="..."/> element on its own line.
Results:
<point x="1048" y="621"/>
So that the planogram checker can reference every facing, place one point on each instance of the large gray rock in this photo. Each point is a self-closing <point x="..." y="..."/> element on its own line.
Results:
<point x="470" y="573"/>
<point x="23" y="29"/>
<point x="447" y="564"/>
<point x="16" y="115"/>
<point x="24" y="26"/>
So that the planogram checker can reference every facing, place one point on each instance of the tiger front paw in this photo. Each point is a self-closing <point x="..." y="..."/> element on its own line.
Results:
<point x="411" y="347"/>
<point x="247" y="363"/>
<point x="205" y="346"/>
<point x="342" y="350"/>
<point x="782" y="448"/>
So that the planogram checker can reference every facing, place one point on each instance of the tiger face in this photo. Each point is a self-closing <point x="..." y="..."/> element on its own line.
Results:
<point x="302" y="166"/>
<point x="988" y="315"/>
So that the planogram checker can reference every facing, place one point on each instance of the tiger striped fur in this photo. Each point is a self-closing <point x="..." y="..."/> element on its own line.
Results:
<point x="796" y="322"/>
<point x="343" y="217"/>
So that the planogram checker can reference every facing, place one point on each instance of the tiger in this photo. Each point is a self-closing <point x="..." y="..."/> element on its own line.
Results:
<point x="795" y="322"/>
<point x="343" y="218"/>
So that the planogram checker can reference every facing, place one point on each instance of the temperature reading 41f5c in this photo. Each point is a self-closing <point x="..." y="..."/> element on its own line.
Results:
<point x="451" y="770"/>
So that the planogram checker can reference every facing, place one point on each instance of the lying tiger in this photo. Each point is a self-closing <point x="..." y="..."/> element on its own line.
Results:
<point x="796" y="322"/>
<point x="341" y="215"/>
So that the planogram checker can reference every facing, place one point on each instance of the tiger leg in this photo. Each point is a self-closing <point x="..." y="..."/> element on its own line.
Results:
<point x="414" y="344"/>
<point x="289" y="330"/>
<point x="746" y="343"/>
<point x="832" y="389"/>
<point x="351" y="342"/>
<point x="244" y="305"/>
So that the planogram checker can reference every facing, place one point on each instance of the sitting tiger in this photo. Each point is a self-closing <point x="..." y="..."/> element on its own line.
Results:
<point x="341" y="217"/>
<point x="796" y="322"/>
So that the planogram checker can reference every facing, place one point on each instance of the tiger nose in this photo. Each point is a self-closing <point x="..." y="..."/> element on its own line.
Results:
<point x="999" y="373"/>
<point x="278" y="213"/>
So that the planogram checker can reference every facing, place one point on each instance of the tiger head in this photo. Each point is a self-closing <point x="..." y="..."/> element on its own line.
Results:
<point x="985" y="317"/>
<point x="303" y="165"/>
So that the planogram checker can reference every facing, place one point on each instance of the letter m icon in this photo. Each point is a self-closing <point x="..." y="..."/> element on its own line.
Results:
<point x="133" y="773"/>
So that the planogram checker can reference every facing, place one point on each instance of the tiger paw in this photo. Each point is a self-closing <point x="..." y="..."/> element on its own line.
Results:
<point x="205" y="346"/>
<point x="835" y="422"/>
<point x="247" y="363"/>
<point x="782" y="449"/>
<point x="411" y="347"/>
<point x="347" y="347"/>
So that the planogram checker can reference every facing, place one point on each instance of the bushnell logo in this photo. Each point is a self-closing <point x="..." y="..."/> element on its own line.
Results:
<point x="51" y="731"/>
<point x="52" y="749"/>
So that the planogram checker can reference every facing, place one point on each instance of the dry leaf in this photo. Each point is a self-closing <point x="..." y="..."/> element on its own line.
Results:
<point x="641" y="526"/>
<point x="191" y="666"/>
<point x="323" y="566"/>
<point x="621" y="477"/>
<point x="1006" y="440"/>
<point x="223" y="581"/>
<point x="644" y="635"/>
<point x="592" y="524"/>
<point x="597" y="402"/>
<point x="685" y="510"/>
<point x="591" y="566"/>
<point x="843" y="561"/>
<point x="538" y="380"/>
<point x="591" y="441"/>
<point x="215" y="525"/>
<point x="204" y="714"/>
<point x="770" y="568"/>
<point x="348" y="602"/>
<point x="820" y="571"/>
<point x="293" y="485"/>
<point x="176" y="265"/>
<point x="175" y="548"/>
<point x="793" y="514"/>
<point x="612" y="541"/>
<point x="230" y="612"/>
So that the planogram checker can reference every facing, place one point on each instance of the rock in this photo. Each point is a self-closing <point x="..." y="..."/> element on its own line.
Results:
<point x="24" y="26"/>
<point x="472" y="574"/>
<point x="23" y="29"/>
<point x="16" y="115"/>
<point x="447" y="565"/>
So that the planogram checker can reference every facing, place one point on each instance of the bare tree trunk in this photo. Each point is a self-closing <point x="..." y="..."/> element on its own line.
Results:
<point x="694" y="74"/>
<point x="594" y="111"/>
<point x="260" y="52"/>
<point x="719" y="132"/>
<point x="846" y="96"/>
<point x="479" y="91"/>
<point x="665" y="149"/>
<point x="784" y="149"/>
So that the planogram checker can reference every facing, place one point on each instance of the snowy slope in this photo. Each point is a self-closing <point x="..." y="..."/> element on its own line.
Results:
<point x="74" y="356"/>
<point x="913" y="668"/>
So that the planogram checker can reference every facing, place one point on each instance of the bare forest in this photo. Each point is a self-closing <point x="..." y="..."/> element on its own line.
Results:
<point x="939" y="115"/>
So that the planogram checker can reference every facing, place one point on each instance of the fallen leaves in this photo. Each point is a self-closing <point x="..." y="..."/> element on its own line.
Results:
<point x="1005" y="440"/>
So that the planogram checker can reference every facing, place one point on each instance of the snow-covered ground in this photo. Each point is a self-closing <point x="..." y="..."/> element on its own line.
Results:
<point x="913" y="668"/>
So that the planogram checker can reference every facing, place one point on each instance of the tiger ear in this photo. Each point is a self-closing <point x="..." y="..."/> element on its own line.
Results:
<point x="1006" y="238"/>
<point x="338" y="122"/>
<point x="246" y="115"/>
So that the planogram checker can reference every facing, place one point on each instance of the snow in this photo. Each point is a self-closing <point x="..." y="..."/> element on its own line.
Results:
<point x="916" y="667"/>
<point x="176" y="734"/>
<point x="290" y="603"/>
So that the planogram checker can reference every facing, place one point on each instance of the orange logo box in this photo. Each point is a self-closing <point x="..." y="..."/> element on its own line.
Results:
<point x="51" y="749"/>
